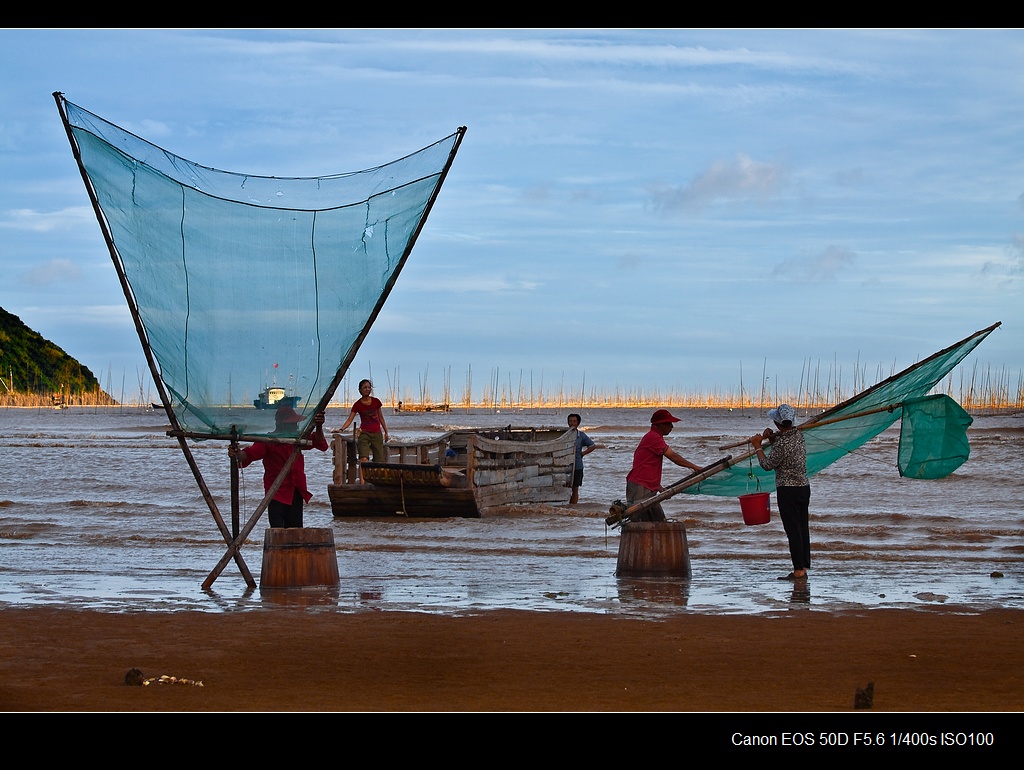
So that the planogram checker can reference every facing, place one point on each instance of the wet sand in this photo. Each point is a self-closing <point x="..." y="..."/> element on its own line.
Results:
<point x="295" y="659"/>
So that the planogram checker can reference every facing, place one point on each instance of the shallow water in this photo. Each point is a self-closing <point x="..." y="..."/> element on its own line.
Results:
<point x="99" y="510"/>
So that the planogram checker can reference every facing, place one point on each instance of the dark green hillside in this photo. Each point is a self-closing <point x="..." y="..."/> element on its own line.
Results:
<point x="36" y="365"/>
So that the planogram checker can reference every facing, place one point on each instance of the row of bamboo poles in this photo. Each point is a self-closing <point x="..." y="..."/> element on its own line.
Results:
<point x="981" y="389"/>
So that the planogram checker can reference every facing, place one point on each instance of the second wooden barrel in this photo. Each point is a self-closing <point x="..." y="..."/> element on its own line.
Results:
<point x="299" y="556"/>
<point x="653" y="549"/>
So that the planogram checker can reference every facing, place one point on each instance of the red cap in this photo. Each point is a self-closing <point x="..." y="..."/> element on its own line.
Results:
<point x="663" y="415"/>
<point x="285" y="415"/>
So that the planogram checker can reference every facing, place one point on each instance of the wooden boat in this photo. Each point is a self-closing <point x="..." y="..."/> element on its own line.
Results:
<point x="404" y="407"/>
<point x="461" y="473"/>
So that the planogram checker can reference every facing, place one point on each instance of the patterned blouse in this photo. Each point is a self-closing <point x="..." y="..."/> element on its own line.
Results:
<point x="788" y="458"/>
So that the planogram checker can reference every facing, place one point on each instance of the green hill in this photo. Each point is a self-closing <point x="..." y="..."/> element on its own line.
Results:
<point x="33" y="365"/>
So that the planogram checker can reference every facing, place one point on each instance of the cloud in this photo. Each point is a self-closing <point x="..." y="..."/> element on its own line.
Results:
<point x="52" y="272"/>
<point x="630" y="261"/>
<point x="742" y="179"/>
<point x="42" y="222"/>
<point x="1017" y="255"/>
<point x="595" y="49"/>
<point x="821" y="267"/>
<point x="852" y="177"/>
<point x="472" y="284"/>
<point x="1006" y="263"/>
<point x="151" y="129"/>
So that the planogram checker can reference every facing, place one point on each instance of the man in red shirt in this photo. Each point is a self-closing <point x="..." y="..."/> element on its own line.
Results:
<point x="285" y="510"/>
<point x="644" y="480"/>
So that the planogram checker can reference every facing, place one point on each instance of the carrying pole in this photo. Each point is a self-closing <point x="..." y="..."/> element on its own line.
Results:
<point x="815" y="423"/>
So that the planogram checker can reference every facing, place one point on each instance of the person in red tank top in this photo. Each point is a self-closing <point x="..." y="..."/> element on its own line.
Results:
<point x="373" y="431"/>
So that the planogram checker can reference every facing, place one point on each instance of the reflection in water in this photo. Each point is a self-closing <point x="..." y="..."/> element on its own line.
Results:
<point x="666" y="590"/>
<point x="801" y="593"/>
<point x="305" y="596"/>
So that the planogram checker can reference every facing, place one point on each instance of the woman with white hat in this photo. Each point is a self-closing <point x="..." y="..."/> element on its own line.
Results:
<point x="788" y="458"/>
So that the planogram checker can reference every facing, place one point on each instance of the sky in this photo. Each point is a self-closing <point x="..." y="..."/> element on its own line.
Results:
<point x="630" y="209"/>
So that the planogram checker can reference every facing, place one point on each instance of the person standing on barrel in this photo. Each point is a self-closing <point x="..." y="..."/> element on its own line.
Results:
<point x="788" y="458"/>
<point x="644" y="479"/>
<point x="285" y="509"/>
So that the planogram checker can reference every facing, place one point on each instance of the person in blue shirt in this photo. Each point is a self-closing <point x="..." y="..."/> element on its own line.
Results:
<point x="584" y="446"/>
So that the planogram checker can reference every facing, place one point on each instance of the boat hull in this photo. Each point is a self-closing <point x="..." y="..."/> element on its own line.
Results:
<point x="463" y="473"/>
<point x="413" y="502"/>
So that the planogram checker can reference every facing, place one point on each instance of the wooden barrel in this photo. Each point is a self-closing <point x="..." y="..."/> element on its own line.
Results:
<point x="299" y="556"/>
<point x="653" y="549"/>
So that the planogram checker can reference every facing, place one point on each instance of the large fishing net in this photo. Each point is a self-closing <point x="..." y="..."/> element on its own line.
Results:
<point x="252" y="292"/>
<point x="933" y="443"/>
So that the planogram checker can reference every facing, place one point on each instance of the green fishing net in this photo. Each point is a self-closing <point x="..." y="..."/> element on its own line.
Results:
<point x="931" y="444"/>
<point x="933" y="437"/>
<point x="251" y="291"/>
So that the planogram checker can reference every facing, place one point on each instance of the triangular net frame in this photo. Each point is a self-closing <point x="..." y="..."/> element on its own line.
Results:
<point x="239" y="283"/>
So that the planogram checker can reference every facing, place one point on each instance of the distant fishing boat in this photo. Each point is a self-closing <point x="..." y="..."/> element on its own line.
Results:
<point x="462" y="473"/>
<point x="273" y="398"/>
